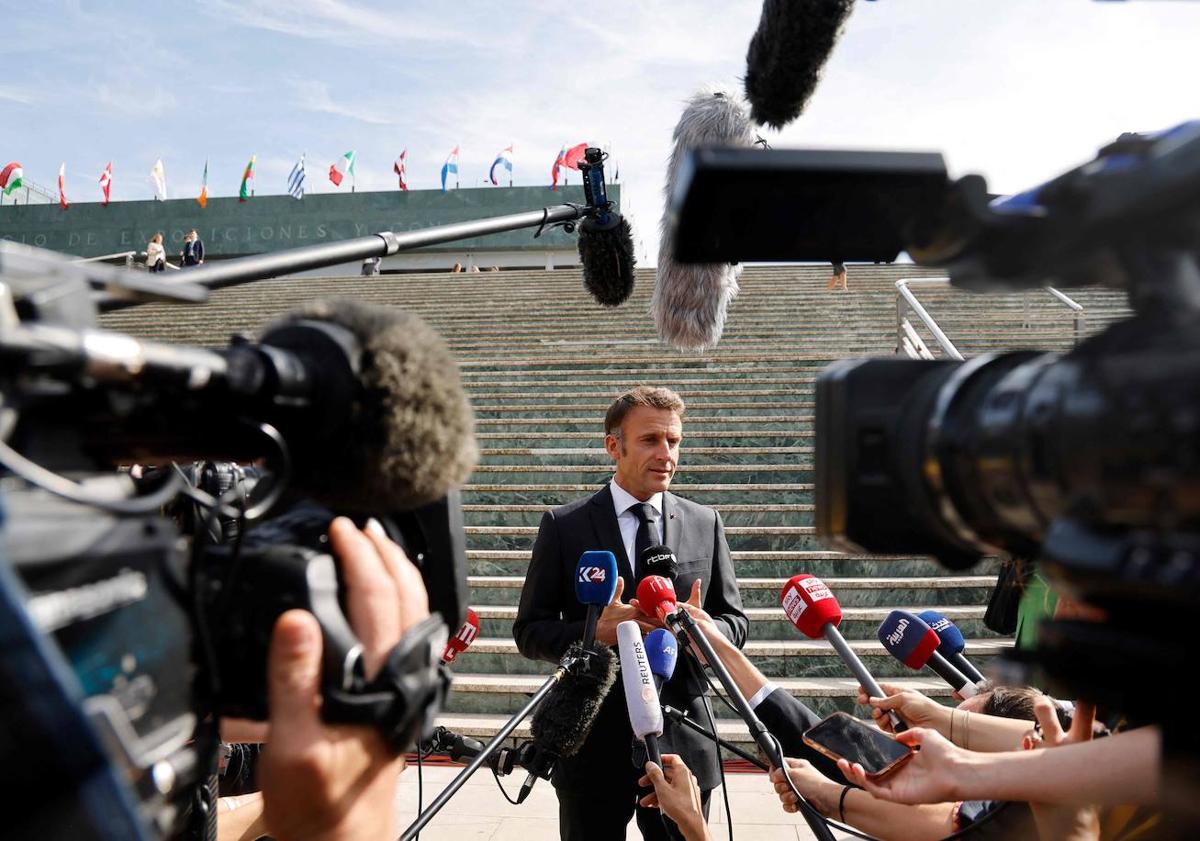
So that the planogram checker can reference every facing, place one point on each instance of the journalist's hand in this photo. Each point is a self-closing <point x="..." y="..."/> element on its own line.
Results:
<point x="913" y="707"/>
<point x="931" y="776"/>
<point x="324" y="782"/>
<point x="676" y="795"/>
<point x="1070" y="823"/>
<point x="821" y="791"/>
<point x="618" y="612"/>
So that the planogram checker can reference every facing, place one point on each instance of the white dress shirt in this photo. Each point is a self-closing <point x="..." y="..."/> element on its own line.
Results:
<point x="623" y="500"/>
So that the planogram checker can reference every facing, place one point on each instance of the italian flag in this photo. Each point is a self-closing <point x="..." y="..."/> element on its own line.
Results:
<point x="340" y="168"/>
<point x="10" y="177"/>
<point x="244" y="192"/>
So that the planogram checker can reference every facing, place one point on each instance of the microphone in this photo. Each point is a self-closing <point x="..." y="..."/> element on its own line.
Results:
<point x="368" y="401"/>
<point x="915" y="644"/>
<point x="662" y="650"/>
<point x="452" y="744"/>
<point x="595" y="584"/>
<point x="691" y="300"/>
<point x="793" y="41"/>
<point x="641" y="696"/>
<point x="812" y="608"/>
<point x="605" y="238"/>
<point x="563" y="720"/>
<point x="658" y="560"/>
<point x="462" y="639"/>
<point x="952" y="644"/>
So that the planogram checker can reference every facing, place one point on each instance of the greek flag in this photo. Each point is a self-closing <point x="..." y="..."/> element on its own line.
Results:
<point x="296" y="179"/>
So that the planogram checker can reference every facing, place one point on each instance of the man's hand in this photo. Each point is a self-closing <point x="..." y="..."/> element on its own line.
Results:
<point x="913" y="707"/>
<point x="324" y="782"/>
<point x="930" y="776"/>
<point x="617" y="612"/>
<point x="676" y="795"/>
<point x="815" y="786"/>
<point x="1065" y="822"/>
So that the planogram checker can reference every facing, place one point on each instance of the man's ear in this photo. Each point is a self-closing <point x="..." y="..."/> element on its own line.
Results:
<point x="612" y="446"/>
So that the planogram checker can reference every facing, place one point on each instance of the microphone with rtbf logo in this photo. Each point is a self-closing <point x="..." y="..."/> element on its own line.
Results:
<point x="462" y="638"/>
<point x="595" y="584"/>
<point x="915" y="644"/>
<point x="810" y="606"/>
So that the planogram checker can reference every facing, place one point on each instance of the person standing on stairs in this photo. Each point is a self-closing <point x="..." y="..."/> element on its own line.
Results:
<point x="597" y="788"/>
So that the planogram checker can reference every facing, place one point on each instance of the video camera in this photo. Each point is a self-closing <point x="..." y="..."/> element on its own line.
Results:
<point x="1088" y="461"/>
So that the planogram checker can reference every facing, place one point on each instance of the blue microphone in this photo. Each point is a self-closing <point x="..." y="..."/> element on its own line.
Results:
<point x="952" y="643"/>
<point x="662" y="650"/>
<point x="911" y="641"/>
<point x="595" y="584"/>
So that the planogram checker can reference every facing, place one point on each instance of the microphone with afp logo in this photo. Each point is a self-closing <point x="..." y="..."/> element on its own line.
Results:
<point x="595" y="585"/>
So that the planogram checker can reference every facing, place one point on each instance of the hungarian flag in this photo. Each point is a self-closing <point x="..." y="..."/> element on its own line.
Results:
<point x="574" y="156"/>
<point x="398" y="168"/>
<point x="451" y="165"/>
<point x="62" y="188"/>
<point x="503" y="159"/>
<point x="244" y="191"/>
<point x="106" y="182"/>
<point x="202" y="199"/>
<point x="10" y="177"/>
<point x="340" y="168"/>
<point x="558" y="164"/>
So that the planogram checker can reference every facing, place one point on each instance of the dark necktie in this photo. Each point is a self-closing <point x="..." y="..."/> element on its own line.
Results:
<point x="645" y="538"/>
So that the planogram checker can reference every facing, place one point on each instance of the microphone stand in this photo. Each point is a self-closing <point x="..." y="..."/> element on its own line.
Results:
<point x="503" y="733"/>
<point x="685" y="627"/>
<point x="681" y="717"/>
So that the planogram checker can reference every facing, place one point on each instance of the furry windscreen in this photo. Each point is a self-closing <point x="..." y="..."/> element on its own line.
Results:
<point x="563" y="720"/>
<point x="606" y="255"/>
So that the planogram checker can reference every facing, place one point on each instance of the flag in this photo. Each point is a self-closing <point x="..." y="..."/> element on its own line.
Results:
<point x="558" y="164"/>
<point x="62" y="190"/>
<point x="451" y="165"/>
<point x="342" y="167"/>
<point x="106" y="182"/>
<point x="503" y="159"/>
<point x="398" y="168"/>
<point x="574" y="156"/>
<point x="202" y="199"/>
<point x="10" y="177"/>
<point x="160" y="180"/>
<point x="296" y="179"/>
<point x="244" y="191"/>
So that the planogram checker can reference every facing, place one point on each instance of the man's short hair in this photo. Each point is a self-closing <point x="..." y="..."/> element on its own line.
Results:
<point x="1017" y="702"/>
<point x="656" y="397"/>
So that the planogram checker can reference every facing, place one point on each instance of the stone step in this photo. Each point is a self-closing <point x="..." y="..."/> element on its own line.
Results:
<point x="943" y="590"/>
<point x="691" y="383"/>
<point x="502" y="695"/>
<point x="484" y="726"/>
<point x="767" y="422"/>
<point x="778" y="658"/>
<point x="740" y="538"/>
<point x="732" y="454"/>
<point x="590" y="417"/>
<point x="734" y="514"/>
<point x="770" y="623"/>
<point x="618" y="374"/>
<point x="708" y="473"/>
<point x="550" y="494"/>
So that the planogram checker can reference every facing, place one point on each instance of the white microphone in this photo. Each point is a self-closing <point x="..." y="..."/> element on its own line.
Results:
<point x="645" y="711"/>
<point x="691" y="300"/>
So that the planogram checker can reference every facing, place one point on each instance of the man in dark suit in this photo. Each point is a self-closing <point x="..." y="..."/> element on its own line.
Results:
<point x="597" y="788"/>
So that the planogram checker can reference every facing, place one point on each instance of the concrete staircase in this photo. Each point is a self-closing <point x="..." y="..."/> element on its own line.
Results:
<point x="542" y="362"/>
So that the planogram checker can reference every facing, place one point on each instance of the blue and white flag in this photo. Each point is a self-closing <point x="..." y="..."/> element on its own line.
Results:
<point x="504" y="159"/>
<point x="296" y="179"/>
<point x="450" y="166"/>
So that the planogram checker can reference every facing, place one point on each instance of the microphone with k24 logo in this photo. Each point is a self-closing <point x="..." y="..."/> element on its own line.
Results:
<point x="595" y="584"/>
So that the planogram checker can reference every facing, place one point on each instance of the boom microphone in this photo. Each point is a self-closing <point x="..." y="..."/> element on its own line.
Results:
<point x="812" y="608"/>
<point x="562" y="722"/>
<point x="793" y="41"/>
<point x="605" y="239"/>
<point x="595" y="585"/>
<point x="915" y="644"/>
<point x="690" y="301"/>
<point x="952" y="644"/>
<point x="641" y="697"/>
<point x="462" y="638"/>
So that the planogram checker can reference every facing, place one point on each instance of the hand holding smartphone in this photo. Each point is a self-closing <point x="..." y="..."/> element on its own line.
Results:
<point x="842" y="736"/>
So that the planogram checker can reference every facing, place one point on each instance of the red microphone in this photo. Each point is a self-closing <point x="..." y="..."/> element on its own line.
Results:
<point x="462" y="640"/>
<point x="656" y="596"/>
<point x="812" y="608"/>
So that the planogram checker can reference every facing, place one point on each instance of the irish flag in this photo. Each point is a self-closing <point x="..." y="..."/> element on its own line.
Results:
<point x="10" y="177"/>
<point x="202" y="199"/>
<point x="342" y="167"/>
<point x="244" y="192"/>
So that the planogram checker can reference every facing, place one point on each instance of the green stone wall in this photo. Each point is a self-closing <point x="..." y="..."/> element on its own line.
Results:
<point x="269" y="223"/>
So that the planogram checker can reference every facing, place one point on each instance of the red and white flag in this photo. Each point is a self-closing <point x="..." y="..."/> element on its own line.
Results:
<point x="398" y="168"/>
<point x="106" y="182"/>
<point x="62" y="189"/>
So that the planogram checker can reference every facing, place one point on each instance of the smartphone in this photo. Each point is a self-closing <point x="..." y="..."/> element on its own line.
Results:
<point x="842" y="736"/>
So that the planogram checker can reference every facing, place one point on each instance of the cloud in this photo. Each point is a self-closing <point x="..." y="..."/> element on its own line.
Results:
<point x="315" y="96"/>
<point x="9" y="94"/>
<point x="146" y="102"/>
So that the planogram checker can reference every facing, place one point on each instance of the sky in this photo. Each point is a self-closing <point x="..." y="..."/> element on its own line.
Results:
<point x="1017" y="90"/>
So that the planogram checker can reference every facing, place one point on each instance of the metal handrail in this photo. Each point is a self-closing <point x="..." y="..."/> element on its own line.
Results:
<point x="128" y="256"/>
<point x="909" y="342"/>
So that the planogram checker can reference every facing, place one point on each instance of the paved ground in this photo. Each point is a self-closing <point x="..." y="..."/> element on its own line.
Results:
<point x="479" y="812"/>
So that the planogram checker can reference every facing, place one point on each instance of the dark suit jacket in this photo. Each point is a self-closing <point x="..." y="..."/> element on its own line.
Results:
<point x="787" y="717"/>
<point x="550" y="618"/>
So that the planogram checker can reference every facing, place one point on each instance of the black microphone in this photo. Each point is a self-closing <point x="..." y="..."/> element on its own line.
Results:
<point x="456" y="746"/>
<point x="367" y="400"/>
<point x="605" y="238"/>
<point x="691" y="300"/>
<point x="783" y="64"/>
<point x="658" y="560"/>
